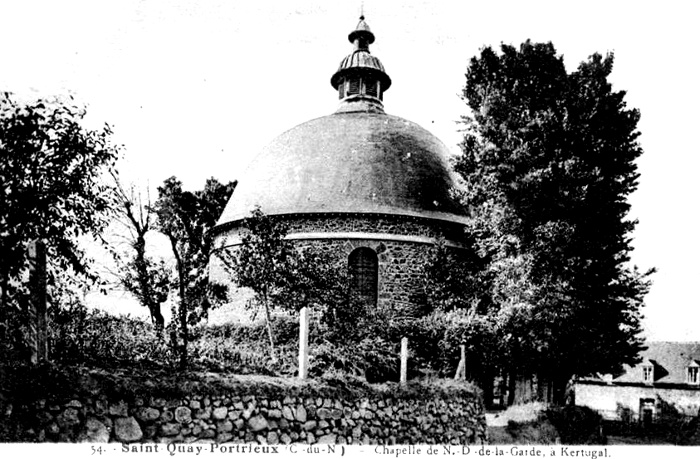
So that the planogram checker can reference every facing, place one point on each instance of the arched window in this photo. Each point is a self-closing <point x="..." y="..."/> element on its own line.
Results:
<point x="363" y="267"/>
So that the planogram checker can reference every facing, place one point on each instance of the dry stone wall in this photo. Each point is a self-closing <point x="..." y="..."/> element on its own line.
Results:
<point x="297" y="415"/>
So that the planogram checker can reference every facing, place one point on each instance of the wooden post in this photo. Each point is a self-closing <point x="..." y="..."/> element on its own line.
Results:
<point x="404" y="360"/>
<point x="303" y="343"/>
<point x="461" y="372"/>
<point x="38" y="333"/>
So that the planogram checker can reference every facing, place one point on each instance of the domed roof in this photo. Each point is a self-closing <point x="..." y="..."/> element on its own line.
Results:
<point x="349" y="162"/>
<point x="358" y="160"/>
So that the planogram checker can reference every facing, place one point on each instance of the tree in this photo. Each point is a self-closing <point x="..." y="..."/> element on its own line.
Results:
<point x="452" y="280"/>
<point x="549" y="161"/>
<point x="283" y="276"/>
<point x="463" y="294"/>
<point x="51" y="188"/>
<point x="141" y="275"/>
<point x="185" y="218"/>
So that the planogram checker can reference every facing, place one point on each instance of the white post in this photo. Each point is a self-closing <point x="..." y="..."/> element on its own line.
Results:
<point x="461" y="372"/>
<point x="404" y="360"/>
<point x="303" y="343"/>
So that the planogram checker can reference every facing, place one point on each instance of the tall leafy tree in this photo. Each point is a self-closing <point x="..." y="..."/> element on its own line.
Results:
<point x="549" y="162"/>
<point x="185" y="218"/>
<point x="52" y="188"/>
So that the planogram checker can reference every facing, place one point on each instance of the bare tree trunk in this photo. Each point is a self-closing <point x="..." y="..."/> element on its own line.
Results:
<point x="157" y="316"/>
<point x="147" y="292"/>
<point x="183" y="327"/>
<point x="560" y="383"/>
<point x="38" y="335"/>
<point x="3" y="308"/>
<point x="139" y="217"/>
<point x="268" y="322"/>
<point x="182" y="313"/>
<point x="511" y="388"/>
<point x="487" y="388"/>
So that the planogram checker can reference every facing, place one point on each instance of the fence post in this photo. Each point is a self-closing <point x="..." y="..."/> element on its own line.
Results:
<point x="404" y="360"/>
<point x="461" y="372"/>
<point x="38" y="333"/>
<point x="303" y="343"/>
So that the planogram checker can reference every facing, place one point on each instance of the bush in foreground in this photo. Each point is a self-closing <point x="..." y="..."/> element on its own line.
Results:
<point x="577" y="425"/>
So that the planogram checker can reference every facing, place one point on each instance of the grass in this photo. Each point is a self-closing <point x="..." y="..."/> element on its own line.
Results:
<point x="23" y="383"/>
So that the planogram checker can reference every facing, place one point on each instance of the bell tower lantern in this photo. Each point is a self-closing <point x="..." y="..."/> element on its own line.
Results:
<point x="360" y="79"/>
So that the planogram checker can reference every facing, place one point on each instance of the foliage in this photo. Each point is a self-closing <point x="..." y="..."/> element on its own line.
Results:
<point x="463" y="293"/>
<point x="242" y="348"/>
<point x="548" y="164"/>
<point x="94" y="338"/>
<point x="371" y="358"/>
<point x="185" y="218"/>
<point x="453" y="280"/>
<point x="79" y="336"/>
<point x="675" y="426"/>
<point x="536" y="432"/>
<point x="51" y="170"/>
<point x="283" y="276"/>
<point x="349" y="337"/>
<point x="577" y="425"/>
<point x="263" y="263"/>
<point x="98" y="339"/>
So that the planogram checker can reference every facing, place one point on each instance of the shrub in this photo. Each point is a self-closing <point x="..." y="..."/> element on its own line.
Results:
<point x="577" y="425"/>
<point x="94" y="337"/>
<point x="371" y="351"/>
<point x="373" y="358"/>
<point x="244" y="348"/>
<point x="675" y="426"/>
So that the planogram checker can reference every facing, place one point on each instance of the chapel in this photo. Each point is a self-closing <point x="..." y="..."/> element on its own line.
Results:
<point x="372" y="188"/>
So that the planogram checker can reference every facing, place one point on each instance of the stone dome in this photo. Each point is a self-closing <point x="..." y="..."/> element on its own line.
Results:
<point x="349" y="162"/>
<point x="358" y="160"/>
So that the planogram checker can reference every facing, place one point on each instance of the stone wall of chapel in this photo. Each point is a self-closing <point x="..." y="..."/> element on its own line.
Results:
<point x="401" y="266"/>
<point x="365" y="224"/>
<point x="401" y="263"/>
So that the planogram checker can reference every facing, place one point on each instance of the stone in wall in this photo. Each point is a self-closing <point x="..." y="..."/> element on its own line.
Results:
<point x="127" y="430"/>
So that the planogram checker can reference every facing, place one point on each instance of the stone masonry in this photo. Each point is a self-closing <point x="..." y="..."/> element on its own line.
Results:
<point x="402" y="245"/>
<point x="378" y="418"/>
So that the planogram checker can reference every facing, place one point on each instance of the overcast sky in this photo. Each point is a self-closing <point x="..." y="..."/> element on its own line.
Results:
<point x="194" y="88"/>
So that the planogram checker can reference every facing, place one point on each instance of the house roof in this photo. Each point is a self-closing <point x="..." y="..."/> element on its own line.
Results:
<point x="669" y="359"/>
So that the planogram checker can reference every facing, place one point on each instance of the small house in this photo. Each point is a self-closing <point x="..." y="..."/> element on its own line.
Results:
<point x="666" y="379"/>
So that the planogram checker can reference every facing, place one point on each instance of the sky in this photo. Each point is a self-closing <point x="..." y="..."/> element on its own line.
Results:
<point x="194" y="88"/>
